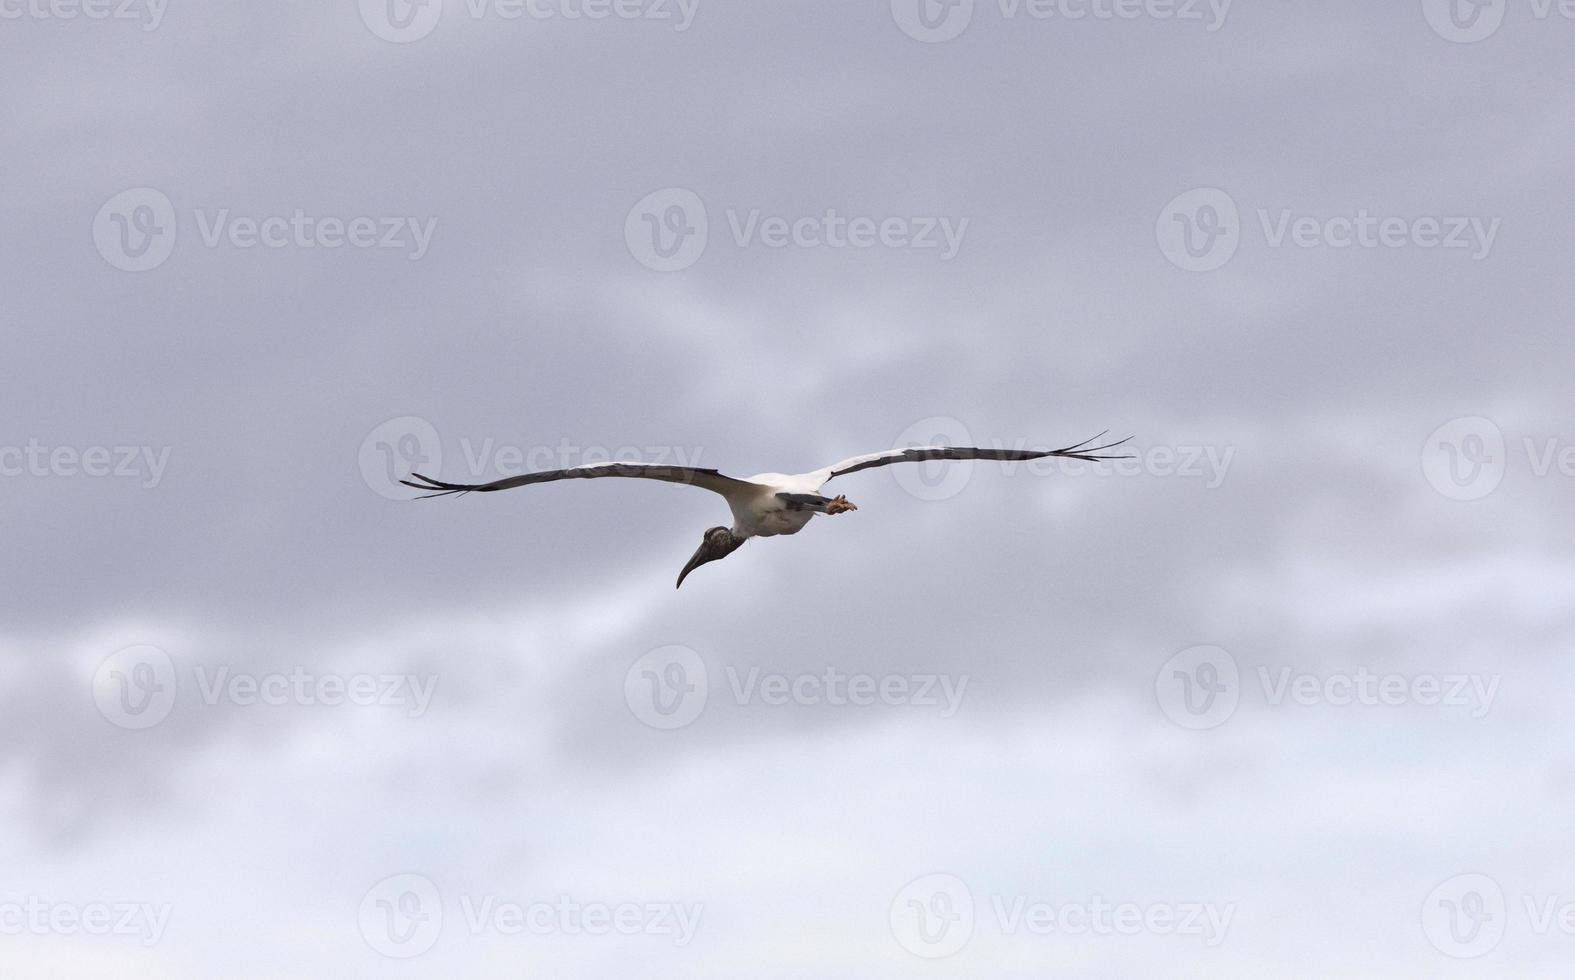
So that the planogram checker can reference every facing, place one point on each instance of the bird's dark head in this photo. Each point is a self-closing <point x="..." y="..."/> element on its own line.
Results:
<point x="718" y="542"/>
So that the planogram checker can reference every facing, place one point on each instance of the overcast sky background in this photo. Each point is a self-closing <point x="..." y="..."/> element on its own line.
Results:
<point x="1354" y="463"/>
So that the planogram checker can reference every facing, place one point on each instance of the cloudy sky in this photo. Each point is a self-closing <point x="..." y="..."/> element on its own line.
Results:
<point x="1282" y="696"/>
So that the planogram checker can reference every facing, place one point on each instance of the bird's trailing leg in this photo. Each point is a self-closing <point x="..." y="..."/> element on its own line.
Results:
<point x="840" y="505"/>
<point x="816" y="503"/>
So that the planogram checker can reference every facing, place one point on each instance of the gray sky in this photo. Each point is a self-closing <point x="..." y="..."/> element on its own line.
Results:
<point x="1284" y="697"/>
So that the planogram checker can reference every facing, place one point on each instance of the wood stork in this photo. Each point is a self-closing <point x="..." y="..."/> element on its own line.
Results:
<point x="767" y="504"/>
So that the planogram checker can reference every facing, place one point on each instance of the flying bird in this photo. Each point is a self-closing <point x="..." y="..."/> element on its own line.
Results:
<point x="767" y="504"/>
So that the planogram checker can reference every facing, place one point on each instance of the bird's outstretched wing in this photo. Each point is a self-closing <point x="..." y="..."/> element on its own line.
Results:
<point x="1086" y="450"/>
<point x="709" y="479"/>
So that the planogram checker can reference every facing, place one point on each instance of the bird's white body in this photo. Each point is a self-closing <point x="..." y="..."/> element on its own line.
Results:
<point x="760" y="513"/>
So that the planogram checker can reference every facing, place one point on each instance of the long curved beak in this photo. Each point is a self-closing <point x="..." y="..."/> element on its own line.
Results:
<point x="702" y="555"/>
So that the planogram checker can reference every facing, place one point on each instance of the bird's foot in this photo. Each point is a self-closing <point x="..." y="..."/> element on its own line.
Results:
<point x="839" y="505"/>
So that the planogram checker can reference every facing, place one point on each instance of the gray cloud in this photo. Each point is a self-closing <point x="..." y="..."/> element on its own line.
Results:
<point x="528" y="326"/>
